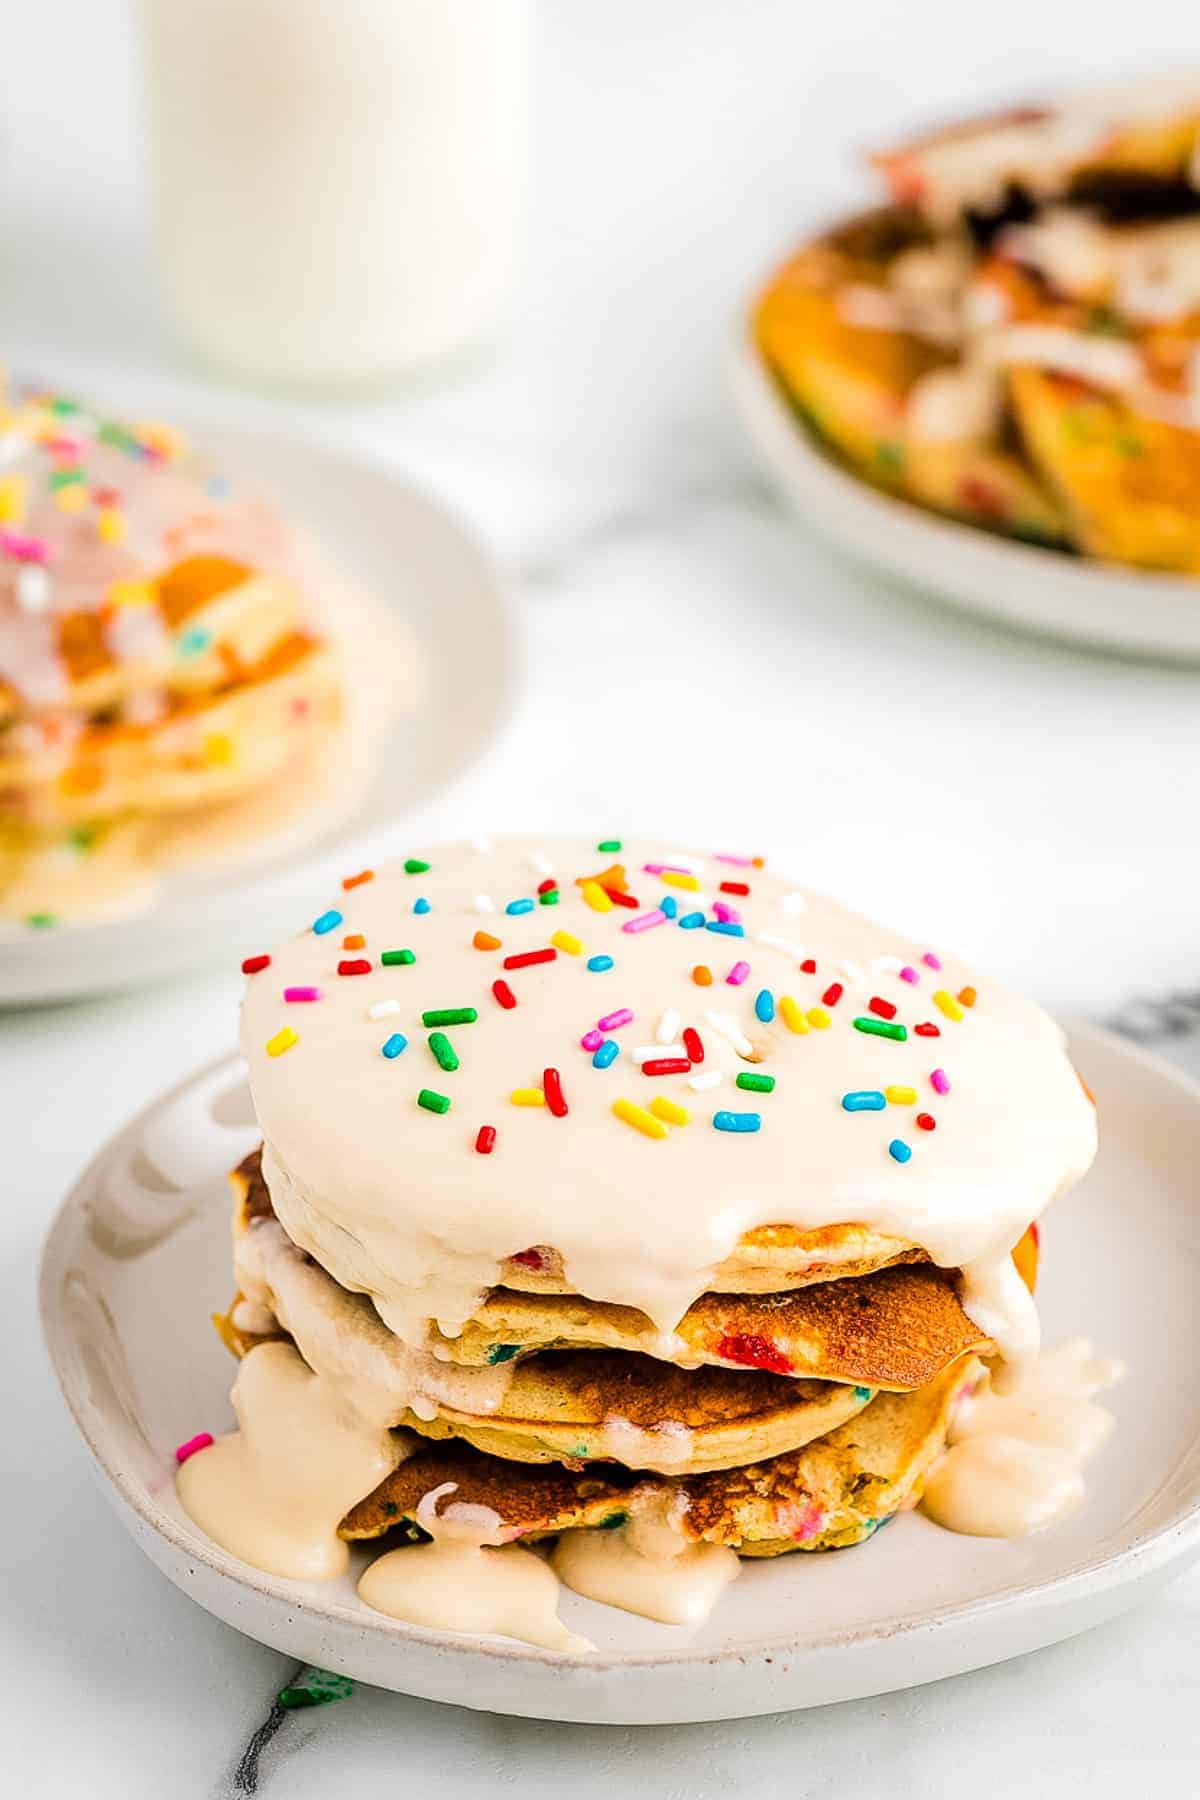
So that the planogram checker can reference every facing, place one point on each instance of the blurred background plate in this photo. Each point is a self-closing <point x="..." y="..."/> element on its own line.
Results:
<point x="409" y="555"/>
<point x="1126" y="611"/>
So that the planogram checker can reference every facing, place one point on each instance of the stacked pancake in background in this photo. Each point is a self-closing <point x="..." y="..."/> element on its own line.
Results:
<point x="616" y="1187"/>
<point x="1015" y="340"/>
<point x="168" y="687"/>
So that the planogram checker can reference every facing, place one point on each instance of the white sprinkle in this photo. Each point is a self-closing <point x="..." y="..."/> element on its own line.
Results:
<point x="484" y="903"/>
<point x="481" y="844"/>
<point x="886" y="965"/>
<point x="541" y="862"/>
<point x="793" y="903"/>
<point x="645" y="1052"/>
<point x="383" y="1009"/>
<point x="787" y="945"/>
<point x="668" y="1027"/>
<point x="852" y="972"/>
<point x="731" y="1031"/>
<point x="707" y="1078"/>
<point x="33" y="587"/>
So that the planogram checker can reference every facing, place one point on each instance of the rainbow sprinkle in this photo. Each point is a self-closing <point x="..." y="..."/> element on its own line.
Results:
<point x="283" y="1041"/>
<point x="394" y="1045"/>
<point x="737" y="1121"/>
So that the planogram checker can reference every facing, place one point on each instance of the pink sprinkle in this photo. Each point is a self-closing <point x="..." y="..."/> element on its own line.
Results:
<point x="25" y="549"/>
<point x="644" y="921"/>
<point x="910" y="975"/>
<point x="201" y="1441"/>
<point x="592" y="1040"/>
<point x="611" y="1020"/>
<point x="931" y="961"/>
<point x="302" y="993"/>
<point x="665" y="869"/>
<point x="728" y="915"/>
<point x="739" y="862"/>
<point x="939" y="1081"/>
<point x="738" y="974"/>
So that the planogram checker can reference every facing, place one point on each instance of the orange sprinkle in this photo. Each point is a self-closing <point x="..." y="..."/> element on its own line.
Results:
<point x="612" y="877"/>
<point x="356" y="941"/>
<point x="968" y="996"/>
<point x="1087" y="1090"/>
<point x="353" y="881"/>
<point x="483" y="940"/>
<point x="702" y="975"/>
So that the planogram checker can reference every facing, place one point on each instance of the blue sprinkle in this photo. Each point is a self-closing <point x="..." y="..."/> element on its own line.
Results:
<point x="764" y="1005"/>
<point x="327" y="922"/>
<point x="598" y="963"/>
<point x="692" y="921"/>
<point x="519" y="906"/>
<point x="725" y="928"/>
<point x="395" y="1044"/>
<point x="195" y="641"/>
<point x="421" y="906"/>
<point x="731" y="1121"/>
<point x="864" y="1100"/>
<point x="899" y="1151"/>
<point x="669" y="905"/>
<point x="606" y="1054"/>
<point x="863" y="1394"/>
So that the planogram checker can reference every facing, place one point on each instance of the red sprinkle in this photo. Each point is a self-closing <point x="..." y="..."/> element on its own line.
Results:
<point x="808" y="966"/>
<point x="548" y="886"/>
<point x="832" y="994"/>
<point x="753" y="1351"/>
<point x="664" y="1065"/>
<point x="882" y="1008"/>
<point x="735" y="887"/>
<point x="504" y="994"/>
<point x="552" y="1088"/>
<point x="525" y="959"/>
<point x="693" y="1044"/>
<point x="354" y="965"/>
<point x="620" y="899"/>
<point x="926" y="1121"/>
<point x="253" y="964"/>
<point x="486" y="1140"/>
<point x="529" y="1259"/>
<point x="353" y="881"/>
<point x="201" y="1441"/>
<point x="927" y="1031"/>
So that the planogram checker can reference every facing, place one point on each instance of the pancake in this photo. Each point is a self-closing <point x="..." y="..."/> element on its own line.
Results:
<point x="827" y="1495"/>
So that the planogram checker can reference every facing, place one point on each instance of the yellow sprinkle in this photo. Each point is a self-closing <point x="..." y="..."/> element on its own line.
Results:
<point x="72" y="498"/>
<point x="527" y="1097"/>
<point x="669" y="1112"/>
<point x="900" y="1096"/>
<point x="819" y="1017"/>
<point x="218" y="747"/>
<point x="283" y="1040"/>
<point x="676" y="878"/>
<point x="596" y="897"/>
<point x="640" y="1119"/>
<point x="792" y="1017"/>
<point x="112" y="525"/>
<point x="12" y="499"/>
<point x="946" y="1003"/>
<point x="130" y="593"/>
<point x="168" y="440"/>
<point x="566" y="940"/>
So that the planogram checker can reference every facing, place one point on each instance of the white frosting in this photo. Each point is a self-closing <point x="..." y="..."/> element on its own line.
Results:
<point x="647" y="1566"/>
<point x="395" y="1202"/>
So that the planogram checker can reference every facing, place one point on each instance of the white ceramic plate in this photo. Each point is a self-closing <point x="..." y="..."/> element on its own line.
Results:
<point x="1044" y="591"/>
<point x="406" y="552"/>
<point x="139" y="1256"/>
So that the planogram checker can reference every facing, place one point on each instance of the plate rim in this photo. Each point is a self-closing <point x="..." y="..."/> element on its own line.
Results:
<point x="1096" y="1574"/>
<point x="806" y="476"/>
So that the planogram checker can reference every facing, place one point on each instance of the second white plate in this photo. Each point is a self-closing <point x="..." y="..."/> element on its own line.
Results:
<point x="139" y="1256"/>
<point x="1129" y="611"/>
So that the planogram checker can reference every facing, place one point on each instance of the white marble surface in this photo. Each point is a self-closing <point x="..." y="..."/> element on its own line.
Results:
<point x="693" y="662"/>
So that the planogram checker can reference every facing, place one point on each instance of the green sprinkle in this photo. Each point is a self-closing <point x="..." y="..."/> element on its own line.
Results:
<point x="83" y="837"/>
<point x="438" y="1103"/>
<point x="1125" y="444"/>
<point x="863" y="1394"/>
<point x="613" y="1520"/>
<point x="414" y="866"/>
<point x="609" y="846"/>
<point x="501" y="1353"/>
<point x="390" y="958"/>
<point x="315" y="1687"/>
<point x="449" y="1015"/>
<point x="890" y="458"/>
<point x="443" y="1053"/>
<point x="882" y="1028"/>
<point x="62" y="408"/>
<point x="61" y="478"/>
<point x="42" y="921"/>
<point x="549" y="898"/>
<point x="758" y="1084"/>
<point x="194" y="642"/>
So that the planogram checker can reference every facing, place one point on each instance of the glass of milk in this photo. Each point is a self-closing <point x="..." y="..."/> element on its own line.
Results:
<point x="337" y="181"/>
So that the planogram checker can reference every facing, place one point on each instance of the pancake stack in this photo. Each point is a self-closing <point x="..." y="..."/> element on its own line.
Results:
<point x="683" y="1256"/>
<point x="159" y="658"/>
<point x="1015" y="339"/>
